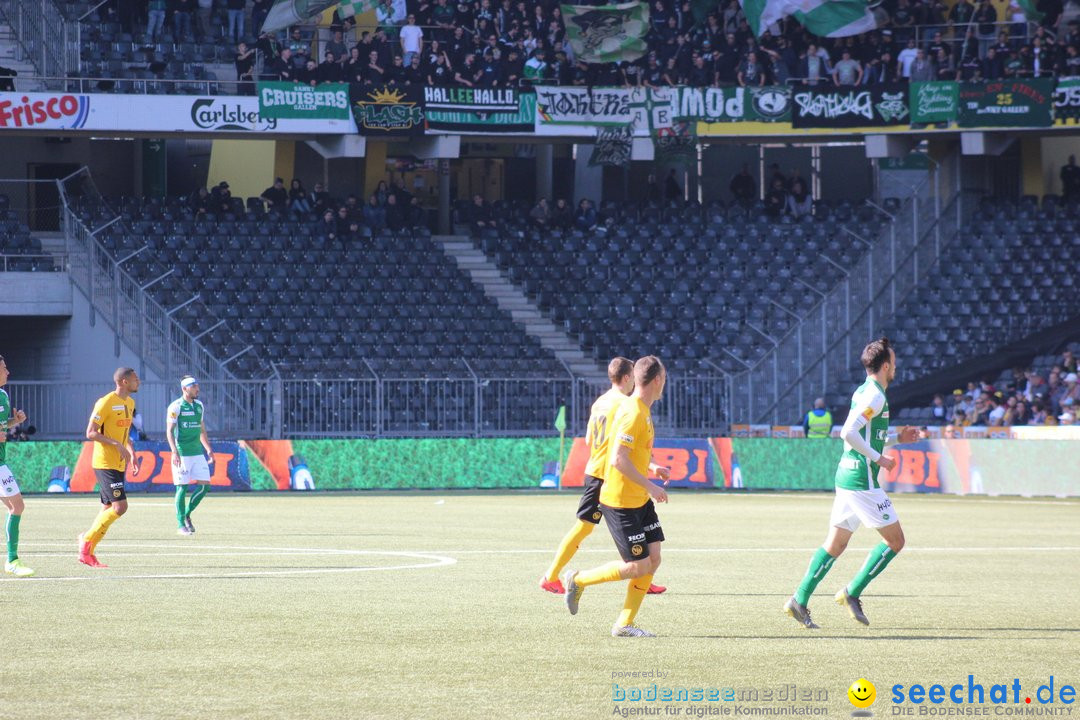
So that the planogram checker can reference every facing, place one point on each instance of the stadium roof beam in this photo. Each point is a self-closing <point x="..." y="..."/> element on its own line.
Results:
<point x="883" y="146"/>
<point x="339" y="146"/>
<point x="983" y="143"/>
<point x="436" y="147"/>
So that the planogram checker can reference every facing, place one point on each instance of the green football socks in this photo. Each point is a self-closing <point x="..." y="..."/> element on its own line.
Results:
<point x="196" y="498"/>
<point x="815" y="573"/>
<point x="13" y="537"/>
<point x="181" y="505"/>
<point x="876" y="562"/>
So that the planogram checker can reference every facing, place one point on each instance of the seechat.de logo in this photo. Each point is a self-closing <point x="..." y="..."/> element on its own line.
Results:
<point x="862" y="695"/>
<point x="66" y="112"/>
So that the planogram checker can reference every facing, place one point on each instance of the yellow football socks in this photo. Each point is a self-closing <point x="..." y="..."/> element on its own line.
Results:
<point x="568" y="547"/>
<point x="602" y="574"/>
<point x="635" y="593"/>
<point x="101" y="525"/>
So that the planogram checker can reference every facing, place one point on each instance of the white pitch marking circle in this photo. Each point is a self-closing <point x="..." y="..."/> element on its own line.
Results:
<point x="428" y="560"/>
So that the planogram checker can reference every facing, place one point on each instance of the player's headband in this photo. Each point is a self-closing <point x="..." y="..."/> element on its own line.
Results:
<point x="188" y="382"/>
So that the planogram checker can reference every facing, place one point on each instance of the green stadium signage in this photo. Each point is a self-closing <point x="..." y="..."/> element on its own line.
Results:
<point x="1007" y="103"/>
<point x="303" y="102"/>
<point x="934" y="102"/>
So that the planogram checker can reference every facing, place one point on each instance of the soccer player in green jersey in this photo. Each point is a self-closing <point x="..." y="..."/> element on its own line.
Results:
<point x="859" y="497"/>
<point x="190" y="449"/>
<point x="9" y="487"/>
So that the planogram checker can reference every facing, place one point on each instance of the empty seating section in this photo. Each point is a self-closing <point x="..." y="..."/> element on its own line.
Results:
<point x="19" y="250"/>
<point x="130" y="62"/>
<point x="1012" y="272"/>
<point x="704" y="287"/>
<point x="390" y="305"/>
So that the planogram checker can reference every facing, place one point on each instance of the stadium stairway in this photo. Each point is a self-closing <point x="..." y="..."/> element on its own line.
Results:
<point x="11" y="57"/>
<point x="509" y="298"/>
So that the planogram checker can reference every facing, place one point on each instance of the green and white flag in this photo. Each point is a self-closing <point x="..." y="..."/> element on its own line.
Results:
<point x="611" y="33"/>
<point x="1031" y="13"/>
<point x="349" y="8"/>
<point x="825" y="18"/>
<point x="284" y="13"/>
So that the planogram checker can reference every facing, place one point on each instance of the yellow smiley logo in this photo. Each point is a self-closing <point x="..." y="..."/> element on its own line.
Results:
<point x="862" y="693"/>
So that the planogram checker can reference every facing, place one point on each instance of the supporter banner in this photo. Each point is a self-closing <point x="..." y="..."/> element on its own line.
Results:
<point x="676" y="145"/>
<point x="612" y="147"/>
<point x="689" y="459"/>
<point x="523" y="120"/>
<point x="303" y="102"/>
<point x="1067" y="99"/>
<point x="465" y="99"/>
<point x="388" y="110"/>
<point x="1008" y="103"/>
<point x="877" y="106"/>
<point x="610" y="33"/>
<point x="559" y="107"/>
<point x="765" y="104"/>
<point x="152" y="113"/>
<point x="934" y="102"/>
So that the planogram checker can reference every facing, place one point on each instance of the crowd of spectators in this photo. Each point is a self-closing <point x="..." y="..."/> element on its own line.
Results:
<point x="501" y="43"/>
<point x="389" y="207"/>
<point x="784" y="195"/>
<point x="1026" y="398"/>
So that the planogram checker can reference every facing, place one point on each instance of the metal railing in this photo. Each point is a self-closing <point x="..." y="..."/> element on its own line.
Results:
<point x="137" y="319"/>
<point x="44" y="262"/>
<point x="819" y="349"/>
<point x="48" y="40"/>
<point x="234" y="409"/>
<point x="141" y="85"/>
<point x="473" y="406"/>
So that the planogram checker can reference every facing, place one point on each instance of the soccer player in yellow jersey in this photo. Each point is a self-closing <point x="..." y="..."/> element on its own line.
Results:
<point x="626" y="501"/>
<point x="109" y="429"/>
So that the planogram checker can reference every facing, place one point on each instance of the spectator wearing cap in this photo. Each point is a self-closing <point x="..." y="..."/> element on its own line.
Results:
<point x="1066" y="418"/>
<point x="276" y="195"/>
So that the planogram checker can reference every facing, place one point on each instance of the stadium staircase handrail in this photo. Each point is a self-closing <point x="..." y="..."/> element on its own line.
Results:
<point x="49" y="40"/>
<point x="779" y="386"/>
<point x="161" y="342"/>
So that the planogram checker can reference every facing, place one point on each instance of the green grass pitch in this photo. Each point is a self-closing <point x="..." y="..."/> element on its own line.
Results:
<point x="423" y="605"/>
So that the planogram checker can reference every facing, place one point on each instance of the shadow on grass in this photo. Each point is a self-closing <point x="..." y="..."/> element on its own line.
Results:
<point x="819" y="636"/>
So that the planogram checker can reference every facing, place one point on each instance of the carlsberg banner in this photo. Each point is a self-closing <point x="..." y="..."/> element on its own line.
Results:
<point x="611" y="33"/>
<point x="934" y="102"/>
<point x="303" y="102"/>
